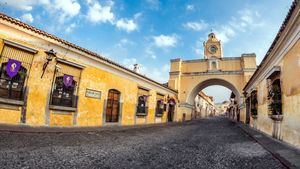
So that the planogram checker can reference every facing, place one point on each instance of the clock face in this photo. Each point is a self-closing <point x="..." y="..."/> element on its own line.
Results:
<point x="212" y="49"/>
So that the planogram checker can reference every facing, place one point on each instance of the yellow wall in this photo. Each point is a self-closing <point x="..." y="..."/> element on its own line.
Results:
<point x="90" y="111"/>
<point x="290" y="86"/>
<point x="230" y="65"/>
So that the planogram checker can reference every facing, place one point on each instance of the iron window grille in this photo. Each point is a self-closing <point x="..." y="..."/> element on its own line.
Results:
<point x="142" y="107"/>
<point x="159" y="108"/>
<point x="14" y="88"/>
<point x="63" y="95"/>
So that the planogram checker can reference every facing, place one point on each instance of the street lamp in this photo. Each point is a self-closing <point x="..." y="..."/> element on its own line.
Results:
<point x="50" y="55"/>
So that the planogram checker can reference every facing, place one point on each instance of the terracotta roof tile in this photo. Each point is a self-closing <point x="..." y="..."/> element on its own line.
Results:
<point x="48" y="35"/>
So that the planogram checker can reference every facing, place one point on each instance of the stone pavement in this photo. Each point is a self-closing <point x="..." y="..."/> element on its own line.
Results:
<point x="207" y="143"/>
<point x="287" y="154"/>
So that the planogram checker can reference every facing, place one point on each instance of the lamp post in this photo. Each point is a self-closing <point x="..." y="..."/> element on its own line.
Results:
<point x="50" y="55"/>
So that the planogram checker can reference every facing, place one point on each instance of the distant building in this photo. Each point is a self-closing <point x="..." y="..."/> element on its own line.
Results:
<point x="204" y="106"/>
<point x="221" y="108"/>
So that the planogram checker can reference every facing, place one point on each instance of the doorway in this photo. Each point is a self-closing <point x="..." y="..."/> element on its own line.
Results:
<point x="113" y="106"/>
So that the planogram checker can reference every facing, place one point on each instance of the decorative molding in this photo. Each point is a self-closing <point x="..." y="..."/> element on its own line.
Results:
<point x="176" y="60"/>
<point x="175" y="73"/>
<point x="87" y="56"/>
<point x="187" y="105"/>
<point x="28" y="49"/>
<point x="273" y="70"/>
<point x="248" y="55"/>
<point x="194" y="60"/>
<point x="284" y="40"/>
<point x="62" y="108"/>
<point x="11" y="102"/>
<point x="69" y="63"/>
<point x="214" y="73"/>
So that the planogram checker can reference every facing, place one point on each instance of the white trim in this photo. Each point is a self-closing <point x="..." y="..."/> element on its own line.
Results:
<point x="69" y="63"/>
<point x="276" y="57"/>
<point x="10" y="43"/>
<point x="91" y="60"/>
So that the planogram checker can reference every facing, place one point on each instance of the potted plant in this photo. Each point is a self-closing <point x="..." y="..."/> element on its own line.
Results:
<point x="254" y="106"/>
<point x="275" y="105"/>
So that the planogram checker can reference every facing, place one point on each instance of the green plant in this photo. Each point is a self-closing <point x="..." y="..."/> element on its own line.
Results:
<point x="275" y="105"/>
<point x="254" y="104"/>
<point x="254" y="112"/>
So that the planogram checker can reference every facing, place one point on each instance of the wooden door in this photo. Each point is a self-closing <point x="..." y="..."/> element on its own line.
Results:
<point x="113" y="106"/>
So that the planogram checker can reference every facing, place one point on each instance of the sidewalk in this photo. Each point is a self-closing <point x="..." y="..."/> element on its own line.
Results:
<point x="79" y="129"/>
<point x="285" y="153"/>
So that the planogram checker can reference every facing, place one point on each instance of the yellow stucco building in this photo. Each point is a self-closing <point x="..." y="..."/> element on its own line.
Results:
<point x="189" y="77"/>
<point x="47" y="81"/>
<point x="273" y="92"/>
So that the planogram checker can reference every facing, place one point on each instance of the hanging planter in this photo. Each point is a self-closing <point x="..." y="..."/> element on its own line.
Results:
<point x="275" y="103"/>
<point x="254" y="105"/>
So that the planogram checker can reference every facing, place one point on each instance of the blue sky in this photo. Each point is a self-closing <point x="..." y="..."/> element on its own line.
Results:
<point x="151" y="32"/>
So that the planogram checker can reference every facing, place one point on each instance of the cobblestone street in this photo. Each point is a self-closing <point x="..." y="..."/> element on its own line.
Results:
<point x="208" y="143"/>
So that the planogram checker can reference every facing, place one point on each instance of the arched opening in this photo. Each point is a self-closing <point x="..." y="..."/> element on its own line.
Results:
<point x="113" y="106"/>
<point x="205" y="104"/>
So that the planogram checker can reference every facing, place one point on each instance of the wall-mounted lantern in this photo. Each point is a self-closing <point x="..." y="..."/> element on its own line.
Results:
<point x="50" y="55"/>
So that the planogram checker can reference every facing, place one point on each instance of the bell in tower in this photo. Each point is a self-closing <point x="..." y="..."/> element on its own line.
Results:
<point x="212" y="47"/>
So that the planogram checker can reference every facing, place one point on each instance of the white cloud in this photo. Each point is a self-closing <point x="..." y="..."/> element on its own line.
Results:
<point x="27" y="17"/>
<point x="150" y="53"/>
<point x="66" y="8"/>
<point x="164" y="41"/>
<point x="197" y="26"/>
<point x="198" y="48"/>
<point x="124" y="42"/>
<point x="159" y="74"/>
<point x="190" y="7"/>
<point x="62" y="8"/>
<point x="246" y="20"/>
<point x="128" y="25"/>
<point x="98" y="13"/>
<point x="129" y="62"/>
<point x="26" y="5"/>
<point x="70" y="28"/>
<point x="225" y="33"/>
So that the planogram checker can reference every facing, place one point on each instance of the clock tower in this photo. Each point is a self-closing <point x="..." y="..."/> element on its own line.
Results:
<point x="212" y="47"/>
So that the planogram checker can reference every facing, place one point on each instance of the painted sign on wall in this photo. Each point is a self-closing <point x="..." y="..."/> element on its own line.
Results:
<point x="93" y="94"/>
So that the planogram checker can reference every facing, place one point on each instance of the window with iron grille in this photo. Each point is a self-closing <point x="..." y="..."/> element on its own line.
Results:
<point x="64" y="90"/>
<point x="15" y="66"/>
<point x="142" y="106"/>
<point x="159" y="105"/>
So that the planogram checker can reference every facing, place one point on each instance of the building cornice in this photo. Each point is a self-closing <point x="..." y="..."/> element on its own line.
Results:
<point x="213" y="73"/>
<point x="77" y="49"/>
<point x="278" y="49"/>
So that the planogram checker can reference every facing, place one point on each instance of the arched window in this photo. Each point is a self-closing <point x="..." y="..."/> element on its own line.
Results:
<point x="64" y="95"/>
<point x="274" y="96"/>
<point x="12" y="88"/>
<point x="113" y="106"/>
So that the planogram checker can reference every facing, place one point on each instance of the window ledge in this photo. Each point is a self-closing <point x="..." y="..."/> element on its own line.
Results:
<point x="141" y="114"/>
<point x="159" y="115"/>
<point x="62" y="108"/>
<point x="12" y="102"/>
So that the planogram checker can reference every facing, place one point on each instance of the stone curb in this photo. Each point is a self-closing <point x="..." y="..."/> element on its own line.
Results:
<point x="284" y="161"/>
<point x="77" y="129"/>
